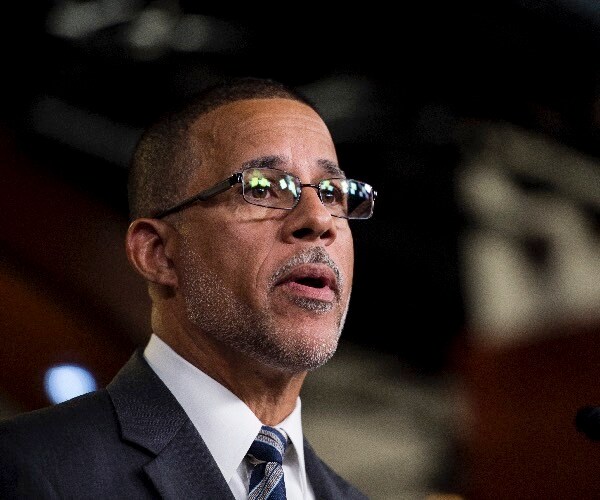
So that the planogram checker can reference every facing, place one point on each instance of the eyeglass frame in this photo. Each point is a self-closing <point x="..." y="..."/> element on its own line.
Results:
<point x="238" y="178"/>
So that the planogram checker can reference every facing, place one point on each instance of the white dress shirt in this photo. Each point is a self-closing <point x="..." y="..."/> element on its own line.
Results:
<point x="226" y="424"/>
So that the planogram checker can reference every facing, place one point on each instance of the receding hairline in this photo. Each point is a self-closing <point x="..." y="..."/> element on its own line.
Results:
<point x="207" y="125"/>
<point x="161" y="160"/>
<point x="238" y="103"/>
<point x="234" y="90"/>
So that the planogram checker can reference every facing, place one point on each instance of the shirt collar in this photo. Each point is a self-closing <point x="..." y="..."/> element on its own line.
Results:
<point x="292" y="425"/>
<point x="226" y="424"/>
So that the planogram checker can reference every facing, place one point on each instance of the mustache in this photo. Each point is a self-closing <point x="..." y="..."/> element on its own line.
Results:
<point x="313" y="255"/>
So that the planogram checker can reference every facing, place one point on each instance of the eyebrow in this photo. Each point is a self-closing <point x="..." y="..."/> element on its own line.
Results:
<point x="275" y="161"/>
<point x="331" y="168"/>
<point x="272" y="161"/>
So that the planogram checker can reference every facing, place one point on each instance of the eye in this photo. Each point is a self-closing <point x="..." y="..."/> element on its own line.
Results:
<point x="270" y="187"/>
<point x="259" y="186"/>
<point x="331" y="193"/>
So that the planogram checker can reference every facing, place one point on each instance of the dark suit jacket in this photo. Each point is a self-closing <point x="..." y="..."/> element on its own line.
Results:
<point x="131" y="440"/>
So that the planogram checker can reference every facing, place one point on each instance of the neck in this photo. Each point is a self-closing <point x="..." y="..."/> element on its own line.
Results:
<point x="270" y="393"/>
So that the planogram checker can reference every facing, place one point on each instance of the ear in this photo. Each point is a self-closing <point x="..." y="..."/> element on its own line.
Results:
<point x="149" y="244"/>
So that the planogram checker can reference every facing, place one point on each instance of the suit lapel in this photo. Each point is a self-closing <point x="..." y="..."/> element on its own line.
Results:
<point x="150" y="417"/>
<point x="185" y="469"/>
<point x="323" y="486"/>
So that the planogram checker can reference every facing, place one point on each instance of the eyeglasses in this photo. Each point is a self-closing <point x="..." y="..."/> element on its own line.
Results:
<point x="274" y="188"/>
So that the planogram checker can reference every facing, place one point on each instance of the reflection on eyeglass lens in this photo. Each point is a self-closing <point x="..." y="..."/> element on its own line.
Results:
<point x="275" y="188"/>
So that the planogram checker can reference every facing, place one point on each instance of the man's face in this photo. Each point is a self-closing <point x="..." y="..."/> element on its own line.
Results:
<point x="271" y="284"/>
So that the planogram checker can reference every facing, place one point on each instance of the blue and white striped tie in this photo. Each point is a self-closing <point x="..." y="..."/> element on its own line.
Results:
<point x="266" y="454"/>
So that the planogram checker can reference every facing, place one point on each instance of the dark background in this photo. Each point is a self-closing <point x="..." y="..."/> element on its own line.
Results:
<point x="397" y="88"/>
<point x="405" y="79"/>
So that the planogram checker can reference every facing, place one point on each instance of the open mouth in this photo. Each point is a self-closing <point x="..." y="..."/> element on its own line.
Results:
<point x="313" y="281"/>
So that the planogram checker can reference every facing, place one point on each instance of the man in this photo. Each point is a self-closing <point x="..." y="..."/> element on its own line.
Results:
<point x="240" y="228"/>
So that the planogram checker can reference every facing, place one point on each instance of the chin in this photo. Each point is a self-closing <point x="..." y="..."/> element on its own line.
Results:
<point x="301" y="350"/>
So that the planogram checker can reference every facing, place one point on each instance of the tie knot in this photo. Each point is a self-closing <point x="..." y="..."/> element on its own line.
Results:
<point x="268" y="446"/>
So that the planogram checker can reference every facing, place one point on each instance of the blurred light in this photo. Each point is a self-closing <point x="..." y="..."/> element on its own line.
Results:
<point x="193" y="32"/>
<point x="75" y="20"/>
<point x="150" y="33"/>
<point x="63" y="382"/>
<point x="196" y="33"/>
<point x="530" y="257"/>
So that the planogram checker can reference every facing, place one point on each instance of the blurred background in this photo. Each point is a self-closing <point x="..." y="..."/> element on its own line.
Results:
<point x="473" y="333"/>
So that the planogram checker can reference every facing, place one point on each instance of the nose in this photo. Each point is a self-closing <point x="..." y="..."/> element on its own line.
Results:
<point x="310" y="220"/>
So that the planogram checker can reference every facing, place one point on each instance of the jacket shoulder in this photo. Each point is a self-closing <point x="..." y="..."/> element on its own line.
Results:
<point x="83" y="413"/>
<point x="40" y="446"/>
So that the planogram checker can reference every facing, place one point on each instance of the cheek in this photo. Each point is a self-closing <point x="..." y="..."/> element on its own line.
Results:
<point x="238" y="252"/>
<point x="346" y="258"/>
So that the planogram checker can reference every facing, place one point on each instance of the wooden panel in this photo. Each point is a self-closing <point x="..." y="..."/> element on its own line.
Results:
<point x="524" y="443"/>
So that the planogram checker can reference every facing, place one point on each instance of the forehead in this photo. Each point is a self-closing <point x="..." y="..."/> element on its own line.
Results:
<point x="239" y="133"/>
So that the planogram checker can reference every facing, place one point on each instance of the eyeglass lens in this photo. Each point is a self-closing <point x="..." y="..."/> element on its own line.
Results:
<point x="268" y="187"/>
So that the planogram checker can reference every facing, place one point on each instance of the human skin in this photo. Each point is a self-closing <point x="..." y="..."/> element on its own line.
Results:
<point x="226" y="276"/>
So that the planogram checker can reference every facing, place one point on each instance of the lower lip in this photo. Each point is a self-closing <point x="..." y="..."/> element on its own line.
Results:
<point x="324" y="294"/>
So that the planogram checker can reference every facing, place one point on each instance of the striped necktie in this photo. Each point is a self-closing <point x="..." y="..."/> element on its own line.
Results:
<point x="266" y="454"/>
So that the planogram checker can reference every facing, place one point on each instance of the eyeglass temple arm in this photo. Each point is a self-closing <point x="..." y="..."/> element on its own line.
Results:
<point x="202" y="195"/>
